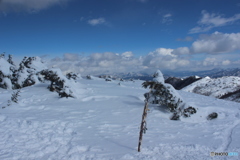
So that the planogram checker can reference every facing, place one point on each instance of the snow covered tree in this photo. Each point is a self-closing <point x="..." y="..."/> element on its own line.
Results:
<point x="2" y="55"/>
<point x="28" y="72"/>
<point x="165" y="95"/>
<point x="89" y="77"/>
<point x="10" y="60"/>
<point x="6" y="72"/>
<point x="59" y="82"/>
<point x="15" y="96"/>
<point x="32" y="70"/>
<point x="72" y="76"/>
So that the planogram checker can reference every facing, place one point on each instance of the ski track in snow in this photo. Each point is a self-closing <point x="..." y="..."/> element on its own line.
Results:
<point x="98" y="98"/>
<point x="103" y="123"/>
<point x="227" y="138"/>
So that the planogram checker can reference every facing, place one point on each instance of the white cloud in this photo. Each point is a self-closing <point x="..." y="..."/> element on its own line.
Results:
<point x="181" y="50"/>
<point x="183" y="62"/>
<point x="163" y="58"/>
<point x="226" y="62"/>
<point x="209" y="21"/>
<point x="127" y="54"/>
<point x="97" y="21"/>
<point x="167" y="18"/>
<point x="217" y="43"/>
<point x="162" y="52"/>
<point x="100" y="63"/>
<point x="70" y="57"/>
<point x="210" y="61"/>
<point x="108" y="62"/>
<point x="28" y="5"/>
<point x="167" y="15"/>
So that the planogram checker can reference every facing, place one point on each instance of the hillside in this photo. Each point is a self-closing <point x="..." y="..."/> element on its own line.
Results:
<point x="103" y="123"/>
<point x="223" y="88"/>
<point x="179" y="83"/>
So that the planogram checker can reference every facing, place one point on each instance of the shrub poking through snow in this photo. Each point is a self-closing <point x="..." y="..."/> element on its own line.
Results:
<point x="59" y="82"/>
<point x="72" y="76"/>
<point x="212" y="116"/>
<point x="89" y="77"/>
<point x="164" y="94"/>
<point x="188" y="111"/>
<point x="15" y="96"/>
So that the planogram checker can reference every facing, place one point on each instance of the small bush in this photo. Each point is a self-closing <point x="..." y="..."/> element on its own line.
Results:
<point x="72" y="75"/>
<point x="212" y="116"/>
<point x="88" y="77"/>
<point x="15" y="96"/>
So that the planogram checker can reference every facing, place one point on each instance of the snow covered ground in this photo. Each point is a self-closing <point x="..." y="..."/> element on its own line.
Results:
<point x="215" y="87"/>
<point x="103" y="123"/>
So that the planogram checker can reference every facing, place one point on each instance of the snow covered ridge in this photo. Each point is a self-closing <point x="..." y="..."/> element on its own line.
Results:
<point x="223" y="88"/>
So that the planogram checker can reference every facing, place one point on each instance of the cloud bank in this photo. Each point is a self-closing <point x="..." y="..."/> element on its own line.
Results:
<point x="213" y="49"/>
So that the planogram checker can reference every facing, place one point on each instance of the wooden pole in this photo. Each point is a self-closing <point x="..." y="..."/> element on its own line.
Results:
<point x="143" y="127"/>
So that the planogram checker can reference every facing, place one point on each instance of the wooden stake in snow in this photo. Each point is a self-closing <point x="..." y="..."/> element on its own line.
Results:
<point x="143" y="127"/>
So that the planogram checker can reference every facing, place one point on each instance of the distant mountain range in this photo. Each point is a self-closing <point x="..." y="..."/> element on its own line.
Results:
<point x="214" y="73"/>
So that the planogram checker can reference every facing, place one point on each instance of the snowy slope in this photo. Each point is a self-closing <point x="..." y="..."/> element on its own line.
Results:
<point x="214" y="87"/>
<point x="103" y="123"/>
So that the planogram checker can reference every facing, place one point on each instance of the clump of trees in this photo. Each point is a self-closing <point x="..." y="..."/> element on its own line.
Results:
<point x="58" y="82"/>
<point x="32" y="70"/>
<point x="165" y="95"/>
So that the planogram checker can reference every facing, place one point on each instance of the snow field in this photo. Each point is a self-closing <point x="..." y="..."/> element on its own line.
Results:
<point x="103" y="123"/>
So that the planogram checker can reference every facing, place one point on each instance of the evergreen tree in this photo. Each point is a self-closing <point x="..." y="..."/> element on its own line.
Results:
<point x="28" y="71"/>
<point x="10" y="60"/>
<point x="165" y="95"/>
<point x="72" y="76"/>
<point x="59" y="83"/>
<point x="32" y="70"/>
<point x="5" y="73"/>
<point x="2" y="55"/>
<point x="15" y="96"/>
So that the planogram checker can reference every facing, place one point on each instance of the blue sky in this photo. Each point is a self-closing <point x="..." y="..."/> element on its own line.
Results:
<point x="149" y="34"/>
